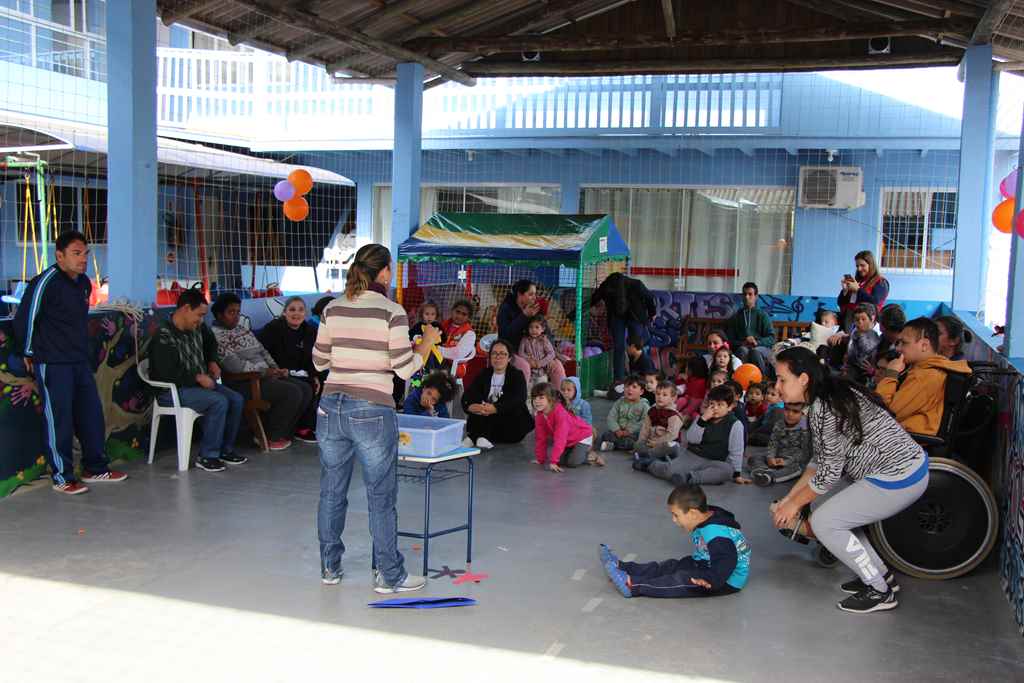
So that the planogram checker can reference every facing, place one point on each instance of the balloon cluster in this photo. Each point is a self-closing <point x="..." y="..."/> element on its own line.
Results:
<point x="291" y="192"/>
<point x="1002" y="216"/>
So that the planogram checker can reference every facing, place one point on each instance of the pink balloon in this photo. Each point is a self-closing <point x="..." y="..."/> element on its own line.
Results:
<point x="1018" y="224"/>
<point x="1008" y="186"/>
<point x="284" y="190"/>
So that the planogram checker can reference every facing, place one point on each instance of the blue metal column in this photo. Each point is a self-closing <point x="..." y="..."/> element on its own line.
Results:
<point x="1014" y="335"/>
<point x="974" y="189"/>
<point x="131" y="155"/>
<point x="407" y="158"/>
<point x="570" y="184"/>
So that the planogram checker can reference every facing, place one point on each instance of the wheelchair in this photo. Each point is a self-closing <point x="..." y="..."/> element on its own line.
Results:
<point x="953" y="527"/>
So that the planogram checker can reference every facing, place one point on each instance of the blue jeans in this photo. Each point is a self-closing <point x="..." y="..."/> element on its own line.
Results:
<point x="758" y="356"/>
<point x="348" y="428"/>
<point x="221" y="408"/>
<point x="621" y="330"/>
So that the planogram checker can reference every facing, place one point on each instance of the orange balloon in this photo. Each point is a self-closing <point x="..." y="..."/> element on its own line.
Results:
<point x="296" y="208"/>
<point x="747" y="374"/>
<point x="301" y="180"/>
<point x="1002" y="216"/>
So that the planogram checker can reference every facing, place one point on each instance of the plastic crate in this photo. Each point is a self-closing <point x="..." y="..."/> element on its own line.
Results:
<point x="428" y="436"/>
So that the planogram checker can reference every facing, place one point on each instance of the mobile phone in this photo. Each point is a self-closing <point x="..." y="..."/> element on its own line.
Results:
<point x="847" y="276"/>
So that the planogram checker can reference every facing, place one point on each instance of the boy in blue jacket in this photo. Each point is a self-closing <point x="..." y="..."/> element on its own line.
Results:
<point x="718" y="567"/>
<point x="431" y="398"/>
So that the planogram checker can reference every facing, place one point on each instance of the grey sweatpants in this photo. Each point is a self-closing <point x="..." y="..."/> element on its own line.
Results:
<point x="700" y="470"/>
<point x="575" y="456"/>
<point x="839" y="519"/>
<point x="758" y="460"/>
<point x="660" y="452"/>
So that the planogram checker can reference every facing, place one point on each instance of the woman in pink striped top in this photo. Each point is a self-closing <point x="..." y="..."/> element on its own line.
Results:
<point x="363" y="340"/>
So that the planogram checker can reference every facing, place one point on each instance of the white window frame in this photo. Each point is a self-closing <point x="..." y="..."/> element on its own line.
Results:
<point x="927" y="226"/>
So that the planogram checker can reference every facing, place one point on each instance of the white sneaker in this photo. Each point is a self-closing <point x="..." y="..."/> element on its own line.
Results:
<point x="607" y="446"/>
<point x="468" y="442"/>
<point x="411" y="583"/>
<point x="484" y="443"/>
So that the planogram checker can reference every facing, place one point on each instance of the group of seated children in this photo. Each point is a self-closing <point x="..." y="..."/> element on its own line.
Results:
<point x="433" y="387"/>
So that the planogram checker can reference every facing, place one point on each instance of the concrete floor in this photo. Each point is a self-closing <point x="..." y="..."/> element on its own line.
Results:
<point x="215" y="577"/>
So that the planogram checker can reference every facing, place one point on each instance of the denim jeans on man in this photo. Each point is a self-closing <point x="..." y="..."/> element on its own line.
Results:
<point x="348" y="428"/>
<point x="621" y="330"/>
<point x="221" y="409"/>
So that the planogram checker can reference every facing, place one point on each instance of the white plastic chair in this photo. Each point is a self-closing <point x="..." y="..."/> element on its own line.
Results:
<point x="184" y="418"/>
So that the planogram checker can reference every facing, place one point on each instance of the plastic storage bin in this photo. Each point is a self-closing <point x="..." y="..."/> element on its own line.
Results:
<point x="428" y="436"/>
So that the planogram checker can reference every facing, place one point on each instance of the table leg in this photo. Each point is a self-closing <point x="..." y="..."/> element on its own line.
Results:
<point x="426" y="519"/>
<point x="469" y="515"/>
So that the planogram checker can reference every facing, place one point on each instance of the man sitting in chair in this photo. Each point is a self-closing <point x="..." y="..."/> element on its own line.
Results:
<point x="184" y="353"/>
<point x="913" y="385"/>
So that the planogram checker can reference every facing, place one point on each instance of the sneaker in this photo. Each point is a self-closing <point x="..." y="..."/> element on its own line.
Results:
<point x="856" y="585"/>
<point x="233" y="459"/>
<point x="607" y="446"/>
<point x="468" y="442"/>
<point x="210" y="464"/>
<point x="112" y="475"/>
<point x="484" y="444"/>
<point x="641" y="464"/>
<point x="71" y="488"/>
<point x="606" y="555"/>
<point x="306" y="435"/>
<point x="619" y="578"/>
<point x="762" y="478"/>
<point x="331" y="578"/>
<point x="411" y="583"/>
<point x="869" y="600"/>
<point x="279" y="444"/>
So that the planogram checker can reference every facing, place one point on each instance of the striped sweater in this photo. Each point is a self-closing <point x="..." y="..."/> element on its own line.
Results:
<point x="362" y="342"/>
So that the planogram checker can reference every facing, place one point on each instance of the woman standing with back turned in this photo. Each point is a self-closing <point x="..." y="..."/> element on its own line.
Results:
<point x="362" y="340"/>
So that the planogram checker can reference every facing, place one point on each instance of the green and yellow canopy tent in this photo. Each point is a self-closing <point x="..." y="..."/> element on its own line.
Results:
<point x="565" y="251"/>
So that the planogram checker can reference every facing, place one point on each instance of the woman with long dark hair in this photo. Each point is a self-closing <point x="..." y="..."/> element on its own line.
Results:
<point x="867" y="286"/>
<point x="364" y="338"/>
<point x="495" y="403"/>
<point x="864" y="462"/>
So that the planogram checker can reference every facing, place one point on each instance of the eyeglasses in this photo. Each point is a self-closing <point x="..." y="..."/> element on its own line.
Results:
<point x="499" y="354"/>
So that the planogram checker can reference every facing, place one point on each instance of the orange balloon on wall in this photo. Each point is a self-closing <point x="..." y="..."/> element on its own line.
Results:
<point x="296" y="208"/>
<point x="747" y="374"/>
<point x="1002" y="216"/>
<point x="301" y="180"/>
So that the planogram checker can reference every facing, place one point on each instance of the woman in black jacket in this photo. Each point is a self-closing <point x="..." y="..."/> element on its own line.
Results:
<point x="289" y="339"/>
<point x="630" y="307"/>
<point x="495" y="403"/>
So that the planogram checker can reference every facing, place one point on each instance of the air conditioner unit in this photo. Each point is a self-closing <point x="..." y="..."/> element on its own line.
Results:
<point x="831" y="187"/>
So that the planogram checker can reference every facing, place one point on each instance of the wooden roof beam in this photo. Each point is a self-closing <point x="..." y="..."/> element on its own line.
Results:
<point x="176" y="14"/>
<point x="335" y="30"/>
<point x="362" y="24"/>
<point x="837" y="31"/>
<point x="670" y="18"/>
<point x="990" y="21"/>
<point x="668" y="66"/>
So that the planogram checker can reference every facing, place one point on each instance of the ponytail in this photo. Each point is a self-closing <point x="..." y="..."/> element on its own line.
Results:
<point x="837" y="394"/>
<point x="369" y="261"/>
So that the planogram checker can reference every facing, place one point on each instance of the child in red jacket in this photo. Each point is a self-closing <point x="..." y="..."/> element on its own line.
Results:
<point x="693" y="389"/>
<point x="562" y="439"/>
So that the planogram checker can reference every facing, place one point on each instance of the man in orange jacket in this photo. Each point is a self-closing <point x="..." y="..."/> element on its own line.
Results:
<point x="917" y="398"/>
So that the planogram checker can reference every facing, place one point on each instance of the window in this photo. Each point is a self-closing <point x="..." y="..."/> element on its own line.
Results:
<point x="918" y="232"/>
<point x="73" y="208"/>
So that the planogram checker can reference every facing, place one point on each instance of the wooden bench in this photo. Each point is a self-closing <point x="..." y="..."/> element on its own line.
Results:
<point x="695" y="331"/>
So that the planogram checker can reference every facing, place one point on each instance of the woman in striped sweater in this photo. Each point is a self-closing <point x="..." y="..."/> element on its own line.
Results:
<point x="362" y="341"/>
<point x="864" y="462"/>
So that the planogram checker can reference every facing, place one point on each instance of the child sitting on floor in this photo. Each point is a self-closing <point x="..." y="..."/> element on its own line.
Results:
<point x="695" y="382"/>
<point x="431" y="397"/>
<point x="651" y="380"/>
<point x="719" y="566"/>
<point x="739" y="409"/>
<point x="626" y="417"/>
<point x="722" y="359"/>
<point x="788" y="452"/>
<point x="639" y="362"/>
<point x="537" y="350"/>
<point x="760" y="432"/>
<point x="571" y="393"/>
<point x="755" y="403"/>
<point x="714" y="446"/>
<point x="561" y="438"/>
<point x="660" y="432"/>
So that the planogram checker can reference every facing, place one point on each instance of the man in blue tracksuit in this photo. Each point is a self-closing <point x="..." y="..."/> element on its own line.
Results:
<point x="51" y="328"/>
<point x="719" y="566"/>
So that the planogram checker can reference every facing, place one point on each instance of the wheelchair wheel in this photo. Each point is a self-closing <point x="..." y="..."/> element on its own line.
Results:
<point x="947" y="532"/>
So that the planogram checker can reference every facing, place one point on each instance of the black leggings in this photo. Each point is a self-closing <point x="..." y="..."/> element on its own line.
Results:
<point x="290" y="399"/>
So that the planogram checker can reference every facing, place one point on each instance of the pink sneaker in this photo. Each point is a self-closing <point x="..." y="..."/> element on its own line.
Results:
<point x="279" y="444"/>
